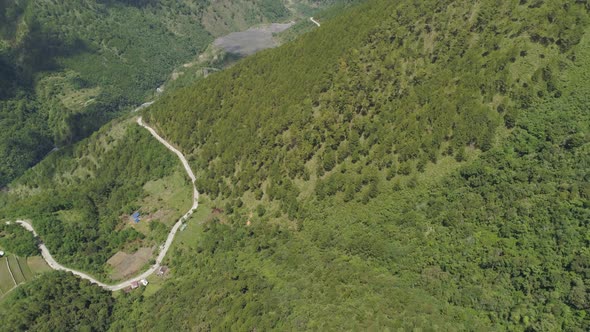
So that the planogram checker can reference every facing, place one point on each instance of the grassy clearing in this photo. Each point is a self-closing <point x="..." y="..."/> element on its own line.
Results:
<point x="37" y="264"/>
<point x="70" y="216"/>
<point x="164" y="202"/>
<point x="186" y="239"/>
<point x="24" y="268"/>
<point x="189" y="237"/>
<point x="171" y="194"/>
<point x="155" y="283"/>
<point x="63" y="87"/>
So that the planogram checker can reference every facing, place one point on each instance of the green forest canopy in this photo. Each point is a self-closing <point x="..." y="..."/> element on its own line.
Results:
<point x="68" y="67"/>
<point x="447" y="166"/>
<point x="57" y="301"/>
<point x="430" y="170"/>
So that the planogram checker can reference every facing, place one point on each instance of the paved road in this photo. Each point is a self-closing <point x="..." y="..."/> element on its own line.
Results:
<point x="314" y="21"/>
<point x="163" y="249"/>
<point x="144" y="105"/>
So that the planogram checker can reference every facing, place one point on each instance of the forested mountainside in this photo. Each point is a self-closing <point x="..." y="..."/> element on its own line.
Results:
<point x="67" y="67"/>
<point x="402" y="90"/>
<point x="407" y="165"/>
<point x="417" y="164"/>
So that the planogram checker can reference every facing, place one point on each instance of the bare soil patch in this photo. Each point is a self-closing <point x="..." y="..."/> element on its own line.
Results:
<point x="127" y="265"/>
<point x="252" y="40"/>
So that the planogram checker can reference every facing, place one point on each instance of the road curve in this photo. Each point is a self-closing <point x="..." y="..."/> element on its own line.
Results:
<point x="314" y="21"/>
<point x="163" y="249"/>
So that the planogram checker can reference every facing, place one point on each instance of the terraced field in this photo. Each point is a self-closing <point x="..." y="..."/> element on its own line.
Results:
<point x="6" y="282"/>
<point x="14" y="265"/>
<point x="15" y="270"/>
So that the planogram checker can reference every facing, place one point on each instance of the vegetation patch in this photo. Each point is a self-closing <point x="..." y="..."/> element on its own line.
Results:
<point x="167" y="199"/>
<point x="401" y="178"/>
<point x="446" y="147"/>
<point x="66" y="68"/>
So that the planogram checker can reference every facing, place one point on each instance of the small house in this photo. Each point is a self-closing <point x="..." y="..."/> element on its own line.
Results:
<point x="162" y="271"/>
<point x="135" y="217"/>
<point x="135" y="284"/>
<point x="144" y="282"/>
<point x="1" y="253"/>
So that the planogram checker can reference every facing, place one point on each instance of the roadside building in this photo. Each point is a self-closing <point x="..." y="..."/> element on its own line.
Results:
<point x="135" y="284"/>
<point x="162" y="271"/>
<point x="144" y="282"/>
<point x="1" y="253"/>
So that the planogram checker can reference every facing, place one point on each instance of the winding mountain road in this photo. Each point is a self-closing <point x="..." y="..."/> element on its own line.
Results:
<point x="163" y="249"/>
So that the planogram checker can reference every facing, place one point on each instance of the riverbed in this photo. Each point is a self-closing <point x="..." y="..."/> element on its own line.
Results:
<point x="252" y="40"/>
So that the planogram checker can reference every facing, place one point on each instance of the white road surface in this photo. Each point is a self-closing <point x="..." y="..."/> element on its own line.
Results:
<point x="163" y="249"/>
<point x="144" y="105"/>
<point x="314" y="21"/>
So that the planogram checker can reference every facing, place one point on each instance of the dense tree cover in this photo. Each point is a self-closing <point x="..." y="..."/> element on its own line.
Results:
<point x="501" y="243"/>
<point x="428" y="171"/>
<point x="76" y="196"/>
<point x="24" y="138"/>
<point x="56" y="301"/>
<point x="497" y="243"/>
<point x="75" y="65"/>
<point x="19" y="240"/>
<point x="407" y="86"/>
<point x="447" y="148"/>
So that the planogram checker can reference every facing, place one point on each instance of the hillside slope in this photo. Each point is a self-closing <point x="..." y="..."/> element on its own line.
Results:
<point x="407" y="86"/>
<point x="407" y="165"/>
<point x="69" y="67"/>
<point x="427" y="170"/>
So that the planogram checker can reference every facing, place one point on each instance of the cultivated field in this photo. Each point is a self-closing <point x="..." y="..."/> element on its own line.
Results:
<point x="15" y="270"/>
<point x="6" y="282"/>
<point x="14" y="264"/>
<point x="37" y="264"/>
<point x="127" y="265"/>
